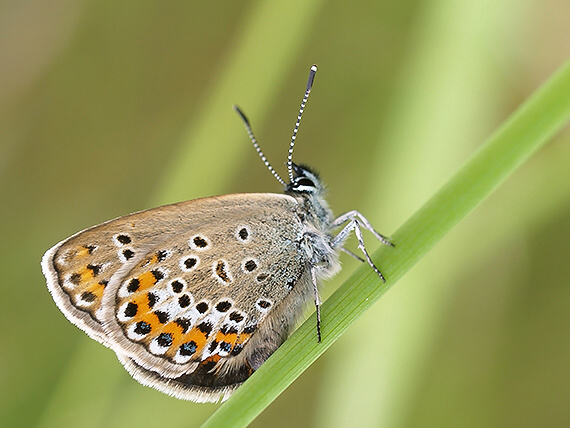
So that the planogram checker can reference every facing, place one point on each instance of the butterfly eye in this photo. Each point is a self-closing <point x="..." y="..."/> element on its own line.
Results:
<point x="305" y="182"/>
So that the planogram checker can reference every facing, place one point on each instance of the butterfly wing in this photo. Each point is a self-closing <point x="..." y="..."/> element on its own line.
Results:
<point x="79" y="268"/>
<point x="190" y="295"/>
<point x="220" y="373"/>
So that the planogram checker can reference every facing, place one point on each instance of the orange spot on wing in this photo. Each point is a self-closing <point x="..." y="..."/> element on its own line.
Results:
<point x="178" y="338"/>
<point x="174" y="331"/>
<point x="96" y="288"/>
<point x="149" y="260"/>
<point x="81" y="252"/>
<point x="214" y="358"/>
<point x="144" y="313"/>
<point x="150" y="319"/>
<point x="86" y="275"/>
<point x="211" y="359"/>
<point x="146" y="280"/>
<point x="199" y="337"/>
<point x="242" y="338"/>
<point x="229" y="338"/>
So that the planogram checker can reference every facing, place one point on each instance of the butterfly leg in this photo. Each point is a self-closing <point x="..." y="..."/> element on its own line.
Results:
<point x="317" y="302"/>
<point x="355" y="225"/>
<point x="350" y="253"/>
<point x="363" y="222"/>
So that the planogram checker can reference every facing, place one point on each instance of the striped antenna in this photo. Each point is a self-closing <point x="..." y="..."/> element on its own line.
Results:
<point x="254" y="141"/>
<point x="303" y="103"/>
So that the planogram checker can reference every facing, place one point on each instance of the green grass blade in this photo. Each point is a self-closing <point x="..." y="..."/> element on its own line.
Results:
<point x="538" y="119"/>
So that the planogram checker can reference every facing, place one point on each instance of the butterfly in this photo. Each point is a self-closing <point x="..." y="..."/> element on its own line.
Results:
<point x="193" y="297"/>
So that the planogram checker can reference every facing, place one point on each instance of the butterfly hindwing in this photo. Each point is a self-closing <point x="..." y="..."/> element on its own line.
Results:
<point x="80" y="268"/>
<point x="220" y="373"/>
<point x="205" y="292"/>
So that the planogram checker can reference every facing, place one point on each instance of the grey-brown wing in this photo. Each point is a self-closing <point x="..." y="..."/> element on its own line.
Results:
<point x="177" y="289"/>
<point x="79" y="268"/>
<point x="202" y="295"/>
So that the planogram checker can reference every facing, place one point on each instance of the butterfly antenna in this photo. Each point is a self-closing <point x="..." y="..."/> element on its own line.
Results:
<point x="303" y="103"/>
<point x="256" y="145"/>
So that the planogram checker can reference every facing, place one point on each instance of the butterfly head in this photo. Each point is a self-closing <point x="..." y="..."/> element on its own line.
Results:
<point x="305" y="182"/>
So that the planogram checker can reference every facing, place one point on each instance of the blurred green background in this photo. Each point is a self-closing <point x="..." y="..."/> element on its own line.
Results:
<point x="110" y="107"/>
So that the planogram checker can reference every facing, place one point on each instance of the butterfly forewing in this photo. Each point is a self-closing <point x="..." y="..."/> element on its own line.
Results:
<point x="80" y="268"/>
<point x="174" y="300"/>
